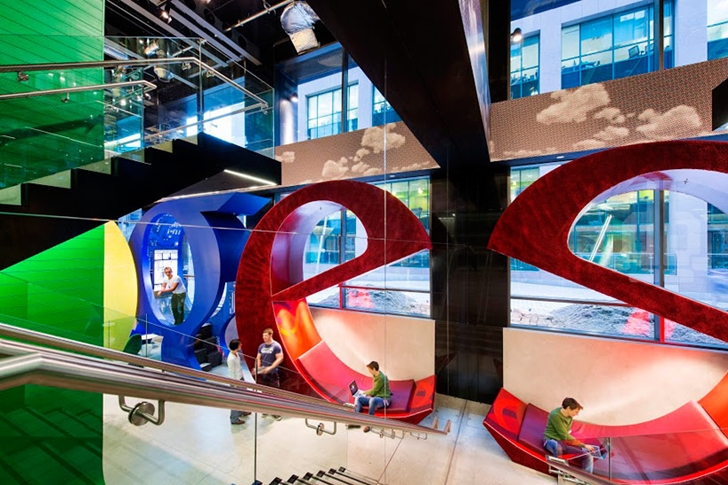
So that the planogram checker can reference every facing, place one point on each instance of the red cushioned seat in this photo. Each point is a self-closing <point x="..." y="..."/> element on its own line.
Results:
<point x="667" y="449"/>
<point x="331" y="377"/>
<point x="531" y="432"/>
<point x="682" y="443"/>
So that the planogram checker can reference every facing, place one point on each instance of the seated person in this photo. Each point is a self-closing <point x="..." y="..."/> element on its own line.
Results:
<point x="557" y="438"/>
<point x="376" y="397"/>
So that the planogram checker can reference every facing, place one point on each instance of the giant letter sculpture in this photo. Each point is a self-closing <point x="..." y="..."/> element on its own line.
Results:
<point x="271" y="291"/>
<point x="535" y="229"/>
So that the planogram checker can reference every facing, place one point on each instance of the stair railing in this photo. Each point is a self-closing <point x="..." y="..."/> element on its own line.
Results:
<point x="21" y="69"/>
<point x="29" y="364"/>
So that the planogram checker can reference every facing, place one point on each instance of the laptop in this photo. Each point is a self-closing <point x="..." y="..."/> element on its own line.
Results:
<point x="353" y="388"/>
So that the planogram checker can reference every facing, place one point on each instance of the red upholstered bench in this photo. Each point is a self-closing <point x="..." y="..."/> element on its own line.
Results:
<point x="665" y="450"/>
<point x="331" y="378"/>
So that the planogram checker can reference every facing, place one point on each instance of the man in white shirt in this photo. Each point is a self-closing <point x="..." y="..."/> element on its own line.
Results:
<point x="173" y="284"/>
<point x="235" y="371"/>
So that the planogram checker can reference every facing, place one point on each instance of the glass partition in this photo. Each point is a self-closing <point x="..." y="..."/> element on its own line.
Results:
<point x="657" y="457"/>
<point x="573" y="43"/>
<point x="619" y="233"/>
<point x="68" y="115"/>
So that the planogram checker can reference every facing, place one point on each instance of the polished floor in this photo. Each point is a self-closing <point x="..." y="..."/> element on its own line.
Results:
<point x="197" y="445"/>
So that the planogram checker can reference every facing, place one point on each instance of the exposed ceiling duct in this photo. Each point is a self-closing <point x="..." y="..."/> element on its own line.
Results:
<point x="297" y="20"/>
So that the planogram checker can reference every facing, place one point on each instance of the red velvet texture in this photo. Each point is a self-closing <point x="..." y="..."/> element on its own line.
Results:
<point x="270" y="289"/>
<point x="536" y="226"/>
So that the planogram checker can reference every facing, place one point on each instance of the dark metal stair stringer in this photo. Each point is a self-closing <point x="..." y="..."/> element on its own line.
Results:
<point x="49" y="216"/>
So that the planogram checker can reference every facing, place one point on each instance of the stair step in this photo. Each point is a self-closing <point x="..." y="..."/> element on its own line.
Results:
<point x="103" y="166"/>
<point x="60" y="179"/>
<point x="11" y="195"/>
<point x="109" y="189"/>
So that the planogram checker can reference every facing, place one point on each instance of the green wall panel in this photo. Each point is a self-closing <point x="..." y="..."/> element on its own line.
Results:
<point x="52" y="435"/>
<point x="59" y="291"/>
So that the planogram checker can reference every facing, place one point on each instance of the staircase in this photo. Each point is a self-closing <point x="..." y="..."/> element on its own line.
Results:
<point x="340" y="476"/>
<point x="37" y="215"/>
<point x="64" y="441"/>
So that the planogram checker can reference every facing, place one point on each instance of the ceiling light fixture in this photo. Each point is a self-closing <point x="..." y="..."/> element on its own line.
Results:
<point x="250" y="177"/>
<point x="166" y="12"/>
<point x="517" y="35"/>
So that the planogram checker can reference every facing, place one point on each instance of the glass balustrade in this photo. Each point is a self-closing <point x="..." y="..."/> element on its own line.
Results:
<point x="662" y="456"/>
<point x="58" y="116"/>
<point x="194" y="440"/>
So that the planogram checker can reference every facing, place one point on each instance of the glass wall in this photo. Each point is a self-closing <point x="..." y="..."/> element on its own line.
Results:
<point x="612" y="47"/>
<point x="586" y="41"/>
<point x="400" y="288"/>
<point x="316" y="80"/>
<point x="619" y="233"/>
<point x="717" y="29"/>
<point x="524" y="67"/>
<point x="382" y="111"/>
<point x="323" y="112"/>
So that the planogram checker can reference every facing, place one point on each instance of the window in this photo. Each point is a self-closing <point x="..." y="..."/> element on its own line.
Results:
<point x="717" y="239"/>
<point x="399" y="288"/>
<point x="524" y="67"/>
<point x="717" y="29"/>
<point x="619" y="233"/>
<point x="223" y="125"/>
<point x="324" y="112"/>
<point x="613" y="47"/>
<point x="382" y="112"/>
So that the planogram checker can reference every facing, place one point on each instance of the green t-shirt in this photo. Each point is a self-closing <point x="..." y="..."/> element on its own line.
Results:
<point x="558" y="426"/>
<point x="380" y="387"/>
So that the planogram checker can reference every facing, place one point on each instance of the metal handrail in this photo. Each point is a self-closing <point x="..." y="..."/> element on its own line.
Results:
<point x="578" y="473"/>
<point x="27" y="94"/>
<point x="131" y="62"/>
<point x="59" y="368"/>
<point x="160" y="134"/>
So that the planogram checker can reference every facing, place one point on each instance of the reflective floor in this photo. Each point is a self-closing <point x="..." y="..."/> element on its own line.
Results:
<point x="198" y="445"/>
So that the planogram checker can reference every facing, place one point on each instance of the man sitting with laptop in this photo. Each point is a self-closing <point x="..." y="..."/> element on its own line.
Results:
<point x="376" y="397"/>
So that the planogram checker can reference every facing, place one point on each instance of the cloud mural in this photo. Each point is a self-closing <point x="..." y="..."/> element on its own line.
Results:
<point x="286" y="157"/>
<point x="589" y="144"/>
<point x="613" y="115"/>
<point x="612" y="133"/>
<point x="378" y="139"/>
<point x="361" y="153"/>
<point x="573" y="106"/>
<point x="362" y="169"/>
<point x="353" y="154"/>
<point x="670" y="104"/>
<point x="335" y="170"/>
<point x="679" y="122"/>
<point x="525" y="153"/>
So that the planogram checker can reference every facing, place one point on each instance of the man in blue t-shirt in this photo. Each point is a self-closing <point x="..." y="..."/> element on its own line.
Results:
<point x="270" y="356"/>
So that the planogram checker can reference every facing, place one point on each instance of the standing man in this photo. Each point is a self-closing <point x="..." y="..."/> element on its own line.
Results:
<point x="270" y="356"/>
<point x="376" y="397"/>
<point x="557" y="438"/>
<point x="235" y="371"/>
<point x="173" y="284"/>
